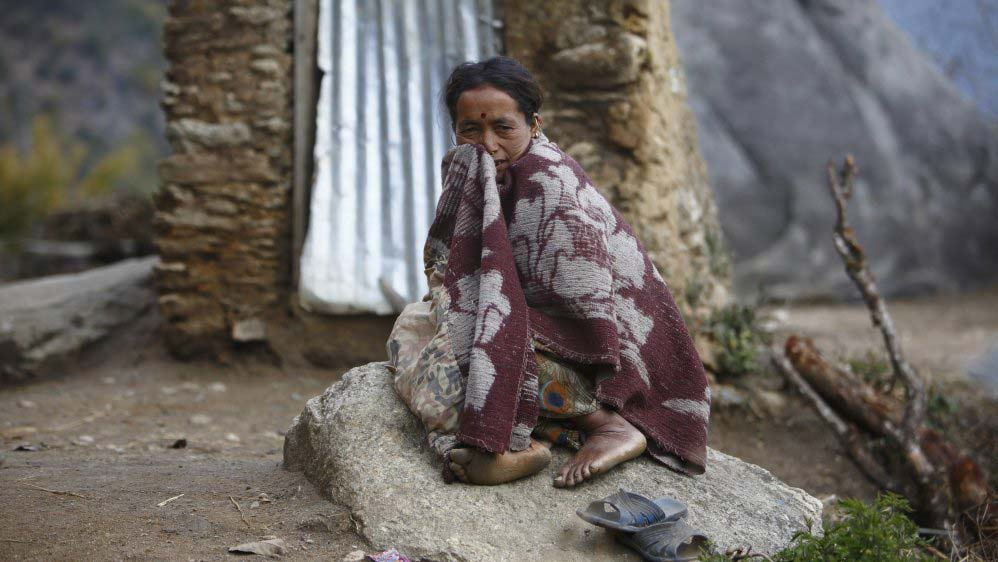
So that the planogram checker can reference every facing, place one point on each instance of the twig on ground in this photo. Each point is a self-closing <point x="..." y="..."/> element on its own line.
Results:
<point x="16" y="540"/>
<point x="57" y="492"/>
<point x="935" y="552"/>
<point x="740" y="553"/>
<point x="242" y="515"/>
<point x="76" y="423"/>
<point x="168" y="500"/>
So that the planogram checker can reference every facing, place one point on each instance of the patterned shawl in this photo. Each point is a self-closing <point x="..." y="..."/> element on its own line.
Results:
<point x="543" y="255"/>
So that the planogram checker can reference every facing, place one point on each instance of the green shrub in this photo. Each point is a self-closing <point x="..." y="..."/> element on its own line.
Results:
<point x="56" y="171"/>
<point x="34" y="182"/>
<point x="941" y="409"/>
<point x="735" y="329"/>
<point x="872" y="367"/>
<point x="878" y="532"/>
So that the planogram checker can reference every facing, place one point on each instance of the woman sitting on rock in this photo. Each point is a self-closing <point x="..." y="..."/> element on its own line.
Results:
<point x="546" y="322"/>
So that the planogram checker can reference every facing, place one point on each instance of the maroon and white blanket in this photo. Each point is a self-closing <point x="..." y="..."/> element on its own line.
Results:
<point x="543" y="255"/>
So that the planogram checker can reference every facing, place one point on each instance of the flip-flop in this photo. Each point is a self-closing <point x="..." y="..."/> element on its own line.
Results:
<point x="630" y="512"/>
<point x="670" y="541"/>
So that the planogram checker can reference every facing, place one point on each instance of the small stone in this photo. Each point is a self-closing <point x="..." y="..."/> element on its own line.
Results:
<point x="26" y="404"/>
<point x="217" y="387"/>
<point x="232" y="437"/>
<point x="107" y="380"/>
<point x="725" y="395"/>
<point x="775" y="403"/>
<point x="199" y="419"/>
<point x="252" y="330"/>
<point x="355" y="556"/>
<point x="84" y="440"/>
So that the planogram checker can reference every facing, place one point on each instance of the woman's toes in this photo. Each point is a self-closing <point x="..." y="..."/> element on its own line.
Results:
<point x="458" y="471"/>
<point x="564" y="473"/>
<point x="586" y="474"/>
<point x="559" y="481"/>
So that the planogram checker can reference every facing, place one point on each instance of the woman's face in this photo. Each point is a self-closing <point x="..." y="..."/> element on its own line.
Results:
<point x="489" y="116"/>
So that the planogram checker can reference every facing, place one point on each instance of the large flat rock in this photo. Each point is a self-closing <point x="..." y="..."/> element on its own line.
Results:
<point x="45" y="321"/>
<point x="363" y="448"/>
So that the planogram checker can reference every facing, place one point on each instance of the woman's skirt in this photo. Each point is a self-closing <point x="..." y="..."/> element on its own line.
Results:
<point x="429" y="380"/>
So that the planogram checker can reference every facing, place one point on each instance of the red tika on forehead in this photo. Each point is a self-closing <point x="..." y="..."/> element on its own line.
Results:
<point x="483" y="116"/>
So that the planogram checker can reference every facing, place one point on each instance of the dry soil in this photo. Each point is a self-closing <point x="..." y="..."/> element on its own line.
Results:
<point x="131" y="428"/>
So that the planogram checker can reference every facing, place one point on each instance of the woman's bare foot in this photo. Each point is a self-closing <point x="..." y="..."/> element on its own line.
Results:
<point x="610" y="440"/>
<point x="488" y="469"/>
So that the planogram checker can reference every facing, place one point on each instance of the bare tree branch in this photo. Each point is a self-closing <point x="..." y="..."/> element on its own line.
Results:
<point x="841" y="186"/>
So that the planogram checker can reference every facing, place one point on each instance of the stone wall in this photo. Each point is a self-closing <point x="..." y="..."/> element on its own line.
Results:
<point x="615" y="99"/>
<point x="223" y="208"/>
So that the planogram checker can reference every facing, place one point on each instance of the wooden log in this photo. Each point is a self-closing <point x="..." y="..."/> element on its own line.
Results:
<point x="952" y="473"/>
<point x="852" y="440"/>
<point x="848" y="394"/>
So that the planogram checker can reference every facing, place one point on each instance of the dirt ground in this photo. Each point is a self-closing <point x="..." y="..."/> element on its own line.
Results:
<point x="113" y="454"/>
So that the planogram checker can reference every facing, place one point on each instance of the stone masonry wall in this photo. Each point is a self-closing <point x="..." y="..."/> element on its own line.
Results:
<point x="615" y="99"/>
<point x="223" y="208"/>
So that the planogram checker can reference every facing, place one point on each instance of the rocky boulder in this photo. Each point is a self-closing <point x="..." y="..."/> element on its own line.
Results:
<point x="363" y="448"/>
<point x="779" y="88"/>
<point x="45" y="321"/>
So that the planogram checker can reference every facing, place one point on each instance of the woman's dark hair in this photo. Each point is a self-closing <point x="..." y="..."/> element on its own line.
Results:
<point x="502" y="73"/>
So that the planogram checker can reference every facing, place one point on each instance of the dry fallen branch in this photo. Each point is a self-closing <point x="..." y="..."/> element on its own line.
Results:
<point x="239" y="508"/>
<point x="57" y="492"/>
<point x="884" y="434"/>
<point x="931" y="491"/>
<point x="852" y="441"/>
<point x="168" y="500"/>
<point x="745" y="553"/>
<point x="841" y="186"/>
<point x="76" y="423"/>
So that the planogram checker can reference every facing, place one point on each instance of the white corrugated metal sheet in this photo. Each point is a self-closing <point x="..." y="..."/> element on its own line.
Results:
<point x="380" y="135"/>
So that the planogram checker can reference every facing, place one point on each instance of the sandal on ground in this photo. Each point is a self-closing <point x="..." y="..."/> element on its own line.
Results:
<point x="671" y="541"/>
<point x="629" y="512"/>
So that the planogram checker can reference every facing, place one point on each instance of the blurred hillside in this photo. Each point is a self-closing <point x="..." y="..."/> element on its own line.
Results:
<point x="92" y="69"/>
<point x="80" y="132"/>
